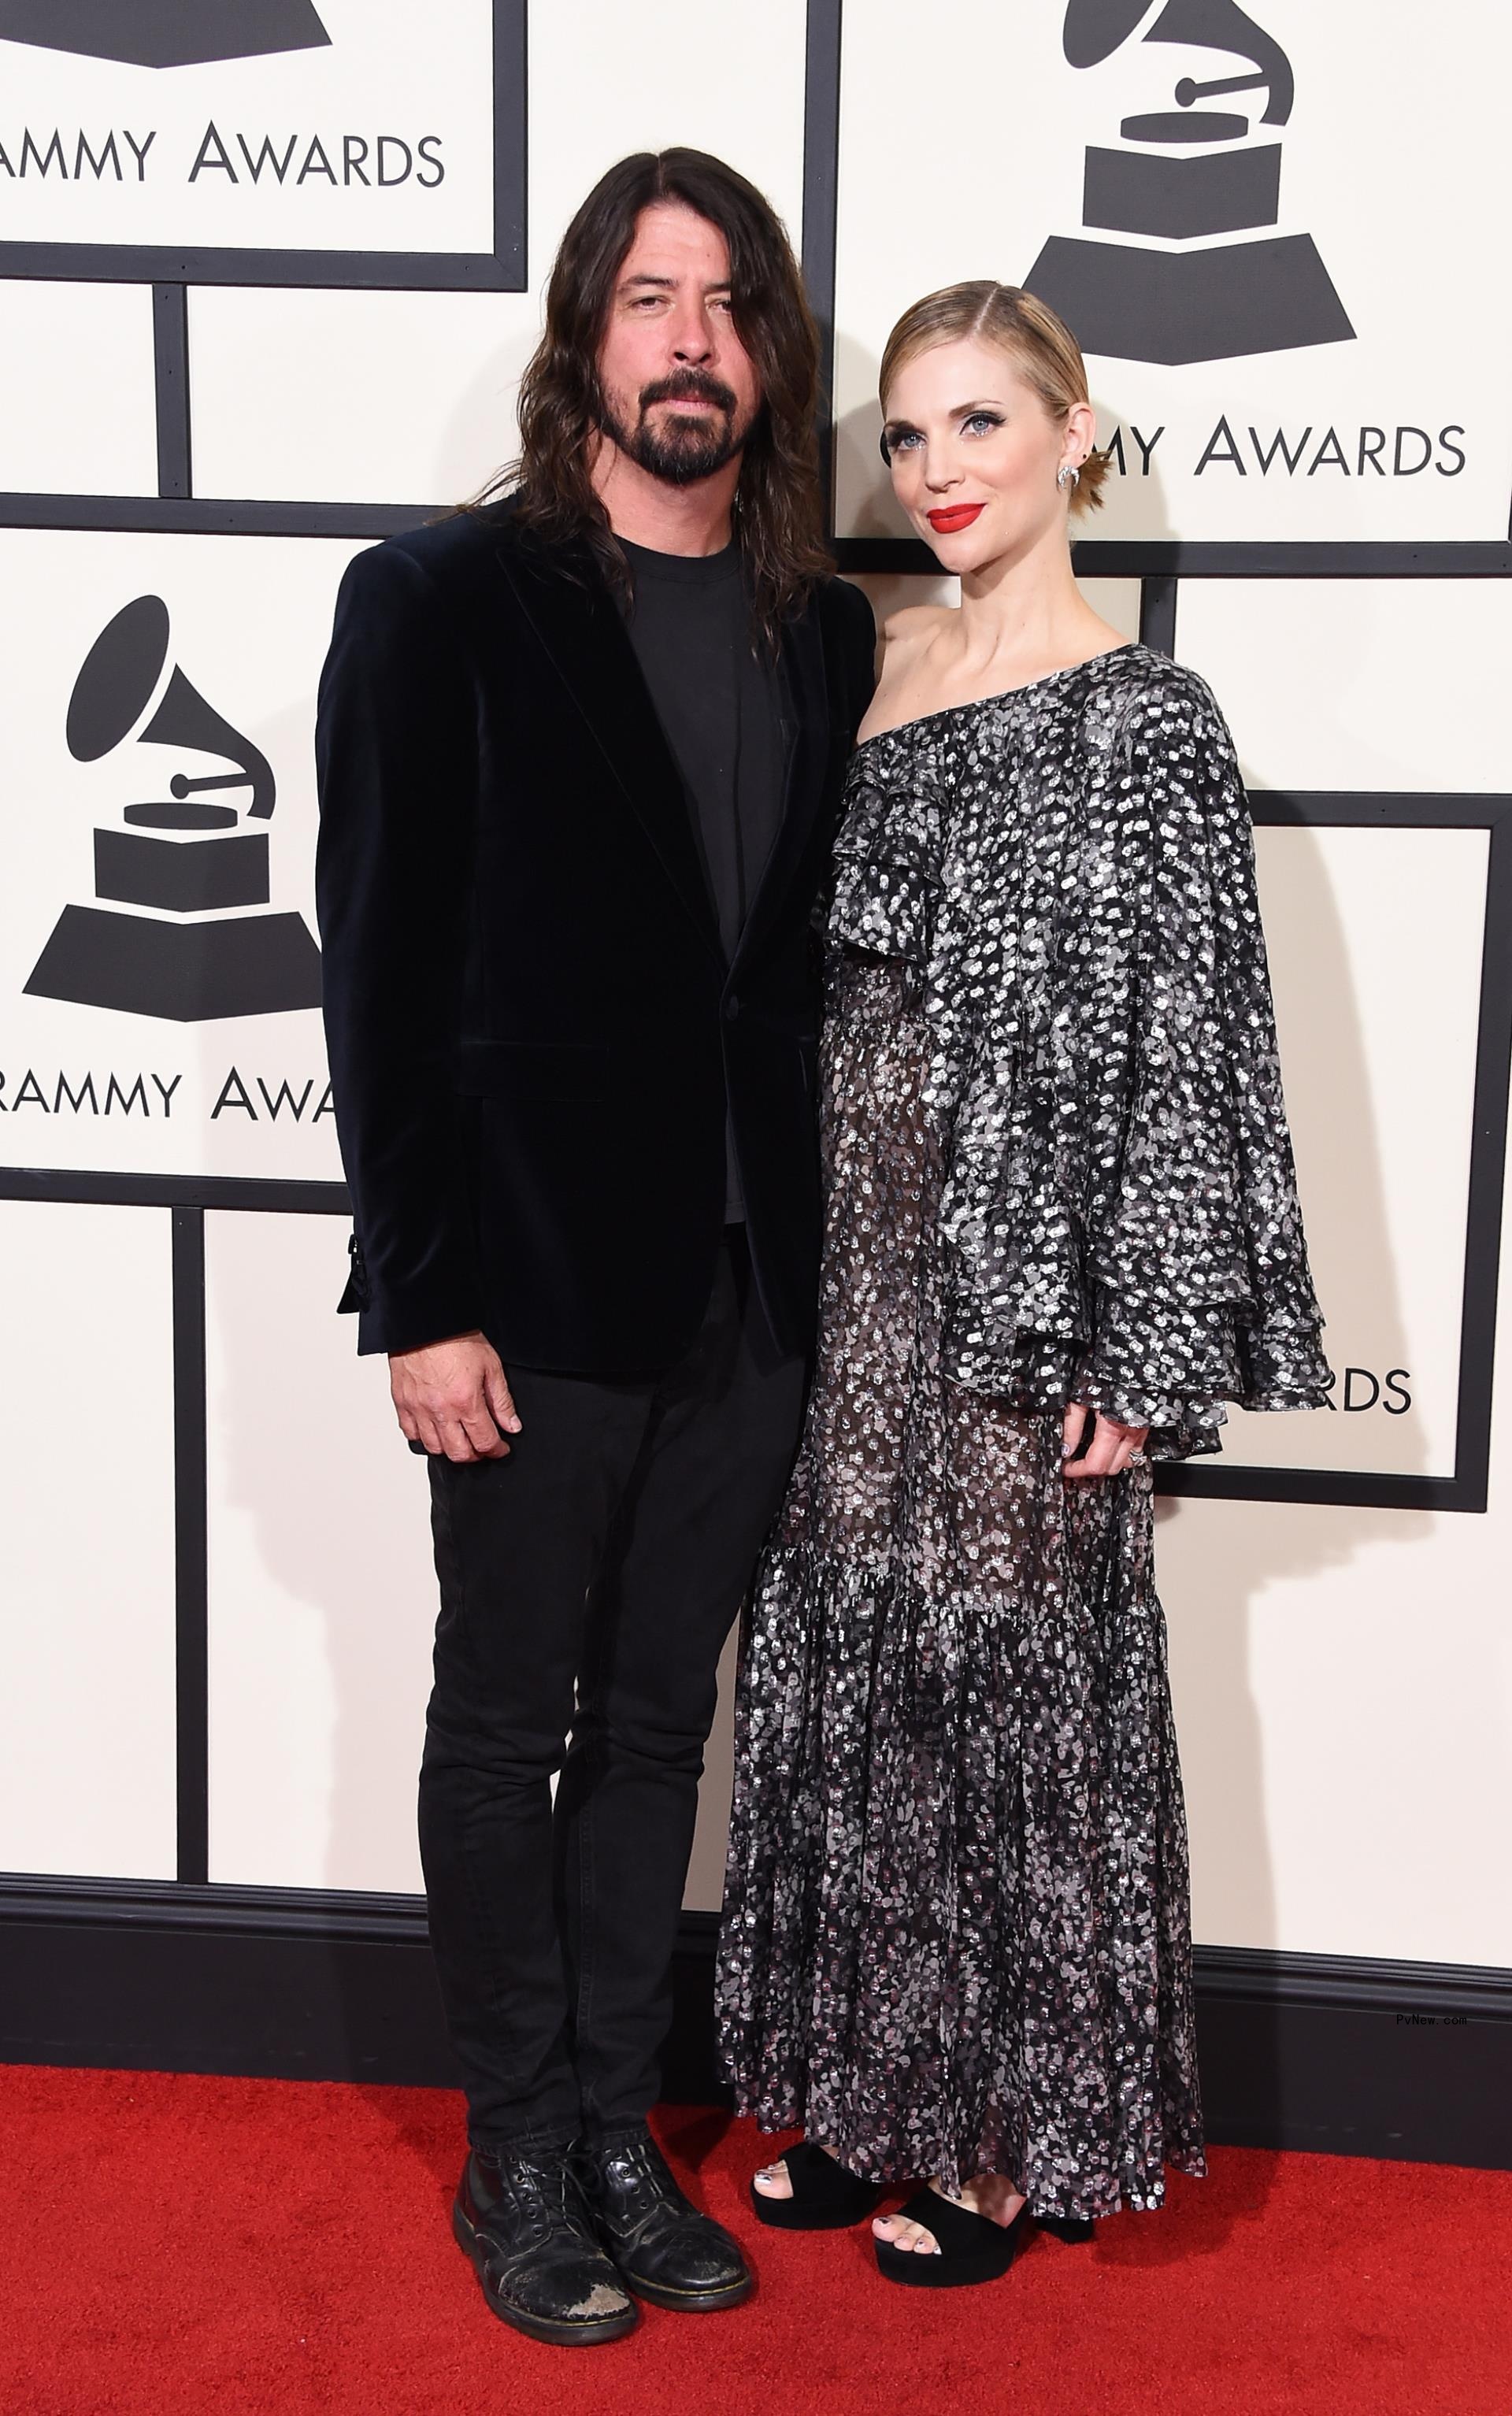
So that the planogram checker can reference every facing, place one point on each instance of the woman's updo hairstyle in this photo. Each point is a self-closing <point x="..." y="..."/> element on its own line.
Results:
<point x="1038" y="341"/>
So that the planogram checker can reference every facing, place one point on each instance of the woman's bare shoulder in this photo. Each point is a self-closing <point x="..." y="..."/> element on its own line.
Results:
<point x="915" y="625"/>
<point x="903" y="672"/>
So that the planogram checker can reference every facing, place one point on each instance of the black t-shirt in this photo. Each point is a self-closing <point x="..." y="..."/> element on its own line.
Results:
<point x="719" y="697"/>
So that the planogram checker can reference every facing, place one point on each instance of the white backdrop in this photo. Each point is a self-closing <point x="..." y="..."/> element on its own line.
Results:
<point x="1343" y="1676"/>
<point x="230" y="1094"/>
<point x="1393" y="155"/>
<point x="365" y="141"/>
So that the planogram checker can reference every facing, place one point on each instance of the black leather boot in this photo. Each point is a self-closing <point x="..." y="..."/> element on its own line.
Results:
<point x="520" y="2216"/>
<point x="664" y="2249"/>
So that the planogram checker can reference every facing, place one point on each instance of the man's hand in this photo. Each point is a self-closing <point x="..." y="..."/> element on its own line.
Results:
<point x="453" y="1397"/>
<point x="1112" y="1446"/>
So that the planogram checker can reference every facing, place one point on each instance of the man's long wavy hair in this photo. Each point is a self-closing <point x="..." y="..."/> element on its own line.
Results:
<point x="779" y="507"/>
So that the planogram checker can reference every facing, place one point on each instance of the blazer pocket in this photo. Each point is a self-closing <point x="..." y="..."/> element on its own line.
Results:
<point x="535" y="1069"/>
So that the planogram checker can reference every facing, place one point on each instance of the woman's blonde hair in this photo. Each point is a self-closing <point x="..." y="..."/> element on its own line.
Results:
<point x="1038" y="342"/>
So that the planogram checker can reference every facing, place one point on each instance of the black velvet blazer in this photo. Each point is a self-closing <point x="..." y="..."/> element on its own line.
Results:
<point x="533" y="1028"/>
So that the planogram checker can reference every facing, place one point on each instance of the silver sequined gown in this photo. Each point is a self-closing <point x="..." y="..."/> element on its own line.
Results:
<point x="955" y="1932"/>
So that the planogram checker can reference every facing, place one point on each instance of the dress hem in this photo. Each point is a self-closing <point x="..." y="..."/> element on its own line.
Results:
<point x="890" y="2172"/>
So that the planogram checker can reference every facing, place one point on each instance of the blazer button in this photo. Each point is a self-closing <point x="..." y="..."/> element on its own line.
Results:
<point x="731" y="1010"/>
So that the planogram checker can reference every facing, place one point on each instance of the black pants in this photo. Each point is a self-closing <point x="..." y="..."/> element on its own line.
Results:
<point x="587" y="1584"/>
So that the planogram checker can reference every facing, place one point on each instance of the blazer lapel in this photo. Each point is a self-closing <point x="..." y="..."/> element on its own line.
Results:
<point x="803" y="660"/>
<point x="583" y="631"/>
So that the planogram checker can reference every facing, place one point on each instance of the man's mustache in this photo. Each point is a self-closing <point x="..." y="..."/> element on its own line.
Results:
<point x="689" y="385"/>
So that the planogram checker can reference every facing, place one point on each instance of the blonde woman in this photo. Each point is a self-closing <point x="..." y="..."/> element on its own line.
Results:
<point x="1061" y="1230"/>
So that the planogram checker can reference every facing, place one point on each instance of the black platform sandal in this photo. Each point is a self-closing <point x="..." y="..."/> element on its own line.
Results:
<point x="825" y="2197"/>
<point x="973" y="2248"/>
<point x="1065" y="2227"/>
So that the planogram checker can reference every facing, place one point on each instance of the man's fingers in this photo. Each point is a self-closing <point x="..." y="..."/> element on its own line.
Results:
<point x="443" y="1393"/>
<point x="457" y="1443"/>
<point x="483" y="1434"/>
<point x="459" y="1431"/>
<point x="500" y="1399"/>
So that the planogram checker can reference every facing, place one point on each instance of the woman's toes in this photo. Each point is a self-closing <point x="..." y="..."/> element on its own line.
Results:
<point x="773" y="2182"/>
<point x="900" y="2233"/>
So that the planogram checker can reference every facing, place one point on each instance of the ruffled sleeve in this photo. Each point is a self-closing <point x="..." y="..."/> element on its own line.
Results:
<point x="886" y="872"/>
<point x="1198" y="1282"/>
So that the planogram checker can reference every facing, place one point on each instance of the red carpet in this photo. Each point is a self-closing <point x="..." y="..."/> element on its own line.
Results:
<point x="257" y="2248"/>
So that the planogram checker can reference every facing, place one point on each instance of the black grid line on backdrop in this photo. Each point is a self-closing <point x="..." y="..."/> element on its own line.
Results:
<point x="821" y="205"/>
<point x="181" y="514"/>
<point x="1158" y="565"/>
<point x="171" y="387"/>
<point x="501" y="271"/>
<point x="191" y="1195"/>
<point x="1467" y="1488"/>
<point x="191" y="1578"/>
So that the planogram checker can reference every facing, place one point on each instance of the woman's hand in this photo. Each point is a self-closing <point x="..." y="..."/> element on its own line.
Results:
<point x="1112" y="1446"/>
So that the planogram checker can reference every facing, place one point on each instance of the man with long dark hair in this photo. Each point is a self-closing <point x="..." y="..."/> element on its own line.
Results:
<point x="580" y="750"/>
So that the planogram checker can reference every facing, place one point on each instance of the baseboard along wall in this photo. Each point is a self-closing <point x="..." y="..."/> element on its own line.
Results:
<point x="1350" y="2054"/>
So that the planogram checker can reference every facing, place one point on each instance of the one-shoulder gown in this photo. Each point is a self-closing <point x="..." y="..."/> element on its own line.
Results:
<point x="957" y="1931"/>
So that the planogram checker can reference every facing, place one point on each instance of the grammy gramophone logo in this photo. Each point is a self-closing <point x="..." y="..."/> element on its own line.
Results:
<point x="163" y="33"/>
<point x="182" y="876"/>
<point x="1184" y="176"/>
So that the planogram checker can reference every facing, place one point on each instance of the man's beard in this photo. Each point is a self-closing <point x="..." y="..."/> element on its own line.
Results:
<point x="681" y="451"/>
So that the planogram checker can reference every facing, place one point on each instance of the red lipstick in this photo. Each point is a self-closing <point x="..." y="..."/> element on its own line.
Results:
<point x="953" y="517"/>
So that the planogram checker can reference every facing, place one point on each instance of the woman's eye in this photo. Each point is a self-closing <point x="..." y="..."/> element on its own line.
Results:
<point x="981" y="423"/>
<point x="903" y="440"/>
